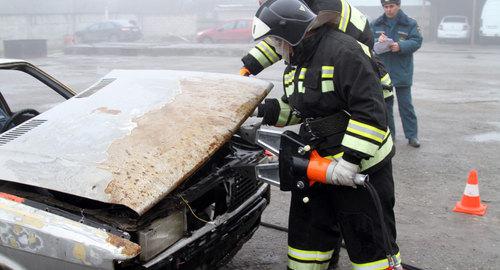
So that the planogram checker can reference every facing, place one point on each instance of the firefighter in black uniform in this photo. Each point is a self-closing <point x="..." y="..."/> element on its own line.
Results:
<point x="331" y="76"/>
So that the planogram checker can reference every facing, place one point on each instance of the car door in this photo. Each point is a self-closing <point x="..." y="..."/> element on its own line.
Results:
<point x="243" y="31"/>
<point x="92" y="32"/>
<point x="225" y="33"/>
<point x="107" y="32"/>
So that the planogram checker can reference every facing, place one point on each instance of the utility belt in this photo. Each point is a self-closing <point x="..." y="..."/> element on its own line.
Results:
<point x="325" y="132"/>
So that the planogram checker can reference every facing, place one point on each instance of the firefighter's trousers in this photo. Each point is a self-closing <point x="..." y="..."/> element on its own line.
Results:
<point x="313" y="221"/>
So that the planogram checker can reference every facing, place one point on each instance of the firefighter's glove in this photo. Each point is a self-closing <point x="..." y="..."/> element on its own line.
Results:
<point x="344" y="173"/>
<point x="269" y="111"/>
<point x="245" y="72"/>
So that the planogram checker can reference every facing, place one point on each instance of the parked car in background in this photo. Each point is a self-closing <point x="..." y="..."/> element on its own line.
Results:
<point x="233" y="31"/>
<point x="113" y="30"/>
<point x="454" y="28"/>
<point x="490" y="21"/>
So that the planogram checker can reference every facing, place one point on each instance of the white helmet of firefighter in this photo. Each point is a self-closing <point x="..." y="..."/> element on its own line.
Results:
<point x="288" y="20"/>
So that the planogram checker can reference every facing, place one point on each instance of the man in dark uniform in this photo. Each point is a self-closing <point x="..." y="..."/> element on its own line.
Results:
<point x="331" y="75"/>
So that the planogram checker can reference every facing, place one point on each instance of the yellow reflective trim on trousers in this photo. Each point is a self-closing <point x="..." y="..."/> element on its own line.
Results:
<point x="309" y="255"/>
<point x="344" y="16"/>
<point x="268" y="51"/>
<point x="307" y="266"/>
<point x="387" y="93"/>
<point x="377" y="265"/>
<point x="380" y="155"/>
<point x="365" y="49"/>
<point x="327" y="72"/>
<point x="327" y="86"/>
<point x="382" y="133"/>
<point x="260" y="57"/>
<point x="359" y="145"/>
<point x="284" y="114"/>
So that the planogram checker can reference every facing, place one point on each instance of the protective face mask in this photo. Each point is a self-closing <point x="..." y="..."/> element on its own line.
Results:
<point x="281" y="47"/>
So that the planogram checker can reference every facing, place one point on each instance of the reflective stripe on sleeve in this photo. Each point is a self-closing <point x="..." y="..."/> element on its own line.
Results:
<point x="366" y="130"/>
<point x="360" y="145"/>
<point x="380" y="155"/>
<point x="306" y="266"/>
<point x="268" y="51"/>
<point x="284" y="114"/>
<point x="302" y="76"/>
<point x="377" y="265"/>
<point x="260" y="57"/>
<point x="344" y="15"/>
<point x="309" y="255"/>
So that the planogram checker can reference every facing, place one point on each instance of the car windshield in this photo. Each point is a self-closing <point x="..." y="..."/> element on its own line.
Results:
<point x="455" y="19"/>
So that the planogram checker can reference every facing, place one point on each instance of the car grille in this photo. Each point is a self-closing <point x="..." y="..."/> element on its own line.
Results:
<point x="242" y="186"/>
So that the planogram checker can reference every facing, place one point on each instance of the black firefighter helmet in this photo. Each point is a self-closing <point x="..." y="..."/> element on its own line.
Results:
<point x="285" y="19"/>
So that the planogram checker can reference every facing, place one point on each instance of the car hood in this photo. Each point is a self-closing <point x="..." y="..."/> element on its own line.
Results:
<point x="131" y="138"/>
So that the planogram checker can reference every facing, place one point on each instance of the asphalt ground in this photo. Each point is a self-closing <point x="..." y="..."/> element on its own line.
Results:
<point x="456" y="94"/>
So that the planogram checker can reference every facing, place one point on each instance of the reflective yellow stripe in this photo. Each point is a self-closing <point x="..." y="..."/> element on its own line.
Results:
<point x="309" y="255"/>
<point x="344" y="16"/>
<point x="302" y="74"/>
<point x="327" y="72"/>
<point x="260" y="57"/>
<point x="365" y="49"/>
<point x="336" y="156"/>
<point x="353" y="123"/>
<point x="387" y="93"/>
<point x="295" y="120"/>
<point x="380" y="155"/>
<point x="289" y="90"/>
<point x="358" y="19"/>
<point x="377" y="265"/>
<point x="284" y="113"/>
<point x="301" y="87"/>
<point x="268" y="51"/>
<point x="327" y="86"/>
<point x="306" y="266"/>
<point x="359" y="145"/>
<point x="386" y="79"/>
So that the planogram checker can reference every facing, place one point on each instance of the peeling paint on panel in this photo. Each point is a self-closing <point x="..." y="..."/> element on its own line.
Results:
<point x="170" y="143"/>
<point x="129" y="248"/>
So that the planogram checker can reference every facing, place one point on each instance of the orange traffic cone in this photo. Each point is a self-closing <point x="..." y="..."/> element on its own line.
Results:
<point x="471" y="203"/>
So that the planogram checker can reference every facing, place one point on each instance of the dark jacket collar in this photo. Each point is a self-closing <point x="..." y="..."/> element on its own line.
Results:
<point x="401" y="19"/>
<point x="303" y="52"/>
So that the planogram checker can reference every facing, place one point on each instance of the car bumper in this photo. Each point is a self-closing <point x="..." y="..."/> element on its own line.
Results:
<point x="215" y="243"/>
<point x="453" y="34"/>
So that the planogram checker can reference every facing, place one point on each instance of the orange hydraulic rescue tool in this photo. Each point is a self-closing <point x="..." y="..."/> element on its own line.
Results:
<point x="299" y="166"/>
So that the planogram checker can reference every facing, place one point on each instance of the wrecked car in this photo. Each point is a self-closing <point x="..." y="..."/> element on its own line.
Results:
<point x="143" y="170"/>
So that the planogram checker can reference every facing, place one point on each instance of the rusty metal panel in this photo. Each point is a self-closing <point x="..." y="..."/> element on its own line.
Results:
<point x="38" y="232"/>
<point x="134" y="140"/>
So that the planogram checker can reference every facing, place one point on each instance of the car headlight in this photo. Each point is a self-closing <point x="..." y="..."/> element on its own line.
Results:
<point x="161" y="234"/>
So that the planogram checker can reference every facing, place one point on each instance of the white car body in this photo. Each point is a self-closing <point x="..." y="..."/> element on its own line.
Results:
<point x="454" y="28"/>
<point x="490" y="21"/>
